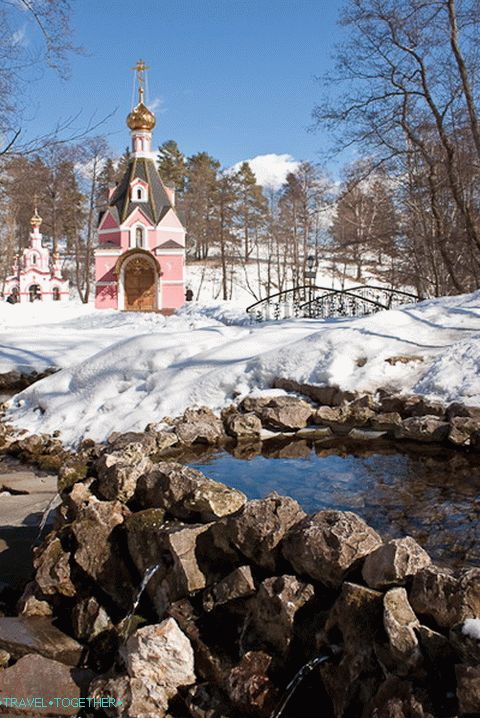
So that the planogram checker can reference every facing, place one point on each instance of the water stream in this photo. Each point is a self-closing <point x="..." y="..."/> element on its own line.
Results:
<point x="147" y="577"/>
<point x="430" y="493"/>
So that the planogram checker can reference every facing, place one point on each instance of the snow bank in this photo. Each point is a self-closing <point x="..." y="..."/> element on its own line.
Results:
<point x="471" y="628"/>
<point x="131" y="369"/>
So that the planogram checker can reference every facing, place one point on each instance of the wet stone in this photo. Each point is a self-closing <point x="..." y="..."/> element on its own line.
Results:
<point x="393" y="562"/>
<point x="249" y="687"/>
<point x="238" y="584"/>
<point x="54" y="679"/>
<point x="186" y="493"/>
<point x="447" y="598"/>
<point x="119" y="470"/>
<point x="243" y="427"/>
<point x="423" y="428"/>
<point x="461" y="429"/>
<point x="259" y="529"/>
<point x="273" y="610"/>
<point x="468" y="689"/>
<point x="329" y="544"/>
<point x="200" y="426"/>
<point x="400" y="623"/>
<point x="286" y="413"/>
<point x="52" y="566"/>
<point x="22" y="635"/>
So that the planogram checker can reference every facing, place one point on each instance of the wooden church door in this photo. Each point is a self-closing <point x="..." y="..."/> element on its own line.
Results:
<point x="140" y="286"/>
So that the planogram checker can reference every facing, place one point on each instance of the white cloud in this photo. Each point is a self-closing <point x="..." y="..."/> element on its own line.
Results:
<point x="157" y="105"/>
<point x="271" y="170"/>
<point x="19" y="37"/>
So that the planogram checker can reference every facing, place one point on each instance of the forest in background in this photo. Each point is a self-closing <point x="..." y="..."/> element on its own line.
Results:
<point x="406" y="210"/>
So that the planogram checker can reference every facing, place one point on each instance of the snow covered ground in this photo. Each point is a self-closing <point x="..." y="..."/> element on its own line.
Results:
<point x="122" y="371"/>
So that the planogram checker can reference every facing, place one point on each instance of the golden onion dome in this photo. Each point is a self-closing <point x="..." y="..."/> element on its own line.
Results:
<point x="141" y="118"/>
<point x="36" y="220"/>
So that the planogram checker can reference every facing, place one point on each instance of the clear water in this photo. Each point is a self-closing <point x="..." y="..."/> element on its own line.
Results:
<point x="433" y="496"/>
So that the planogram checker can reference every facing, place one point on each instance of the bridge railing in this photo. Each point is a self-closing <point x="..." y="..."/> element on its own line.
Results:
<point x="324" y="302"/>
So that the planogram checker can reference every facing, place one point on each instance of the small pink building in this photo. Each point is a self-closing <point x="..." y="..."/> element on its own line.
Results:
<point x="140" y="257"/>
<point x="36" y="277"/>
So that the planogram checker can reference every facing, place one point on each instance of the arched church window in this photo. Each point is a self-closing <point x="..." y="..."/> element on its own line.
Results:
<point x="34" y="258"/>
<point x="34" y="292"/>
<point x="139" y="236"/>
<point x="139" y="193"/>
<point x="56" y="294"/>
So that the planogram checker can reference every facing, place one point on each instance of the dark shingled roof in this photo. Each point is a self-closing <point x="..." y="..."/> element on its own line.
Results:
<point x="158" y="203"/>
<point x="170" y="244"/>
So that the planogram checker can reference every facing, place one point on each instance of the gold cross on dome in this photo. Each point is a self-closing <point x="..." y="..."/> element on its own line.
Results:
<point x="140" y="68"/>
<point x="35" y="202"/>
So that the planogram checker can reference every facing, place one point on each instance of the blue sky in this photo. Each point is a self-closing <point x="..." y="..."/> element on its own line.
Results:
<point x="235" y="78"/>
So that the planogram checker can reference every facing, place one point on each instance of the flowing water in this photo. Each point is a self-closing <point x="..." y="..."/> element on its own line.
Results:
<point x="296" y="681"/>
<point x="428" y="492"/>
<point x="147" y="577"/>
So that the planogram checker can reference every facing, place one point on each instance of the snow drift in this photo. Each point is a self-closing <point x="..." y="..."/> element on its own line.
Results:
<point x="135" y="369"/>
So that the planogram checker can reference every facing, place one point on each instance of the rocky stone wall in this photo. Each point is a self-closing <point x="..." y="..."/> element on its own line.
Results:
<point x="242" y="594"/>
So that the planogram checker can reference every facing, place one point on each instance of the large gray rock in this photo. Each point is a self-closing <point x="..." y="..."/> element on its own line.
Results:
<point x="259" y="529"/>
<point x="389" y="421"/>
<point x="200" y="426"/>
<point x="249" y="687"/>
<point x="423" y="428"/>
<point x="96" y="552"/>
<point x="465" y="645"/>
<point x="468" y="689"/>
<point x="89" y="619"/>
<point x="186" y="493"/>
<point x="242" y="426"/>
<point x="400" y="623"/>
<point x="158" y="659"/>
<point x="52" y="565"/>
<point x="238" y="584"/>
<point x="35" y="675"/>
<point x="393" y="562"/>
<point x="119" y="470"/>
<point x="396" y="699"/>
<point x="448" y="599"/>
<point x="287" y="413"/>
<point x="183" y="574"/>
<point x="324" y="395"/>
<point x="173" y="549"/>
<point x="22" y="635"/>
<point x="461" y="429"/>
<point x="458" y="409"/>
<point x="354" y="622"/>
<point x="273" y="610"/>
<point x="329" y="544"/>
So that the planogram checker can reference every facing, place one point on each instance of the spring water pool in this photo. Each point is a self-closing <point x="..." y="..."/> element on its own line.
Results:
<point x="430" y="493"/>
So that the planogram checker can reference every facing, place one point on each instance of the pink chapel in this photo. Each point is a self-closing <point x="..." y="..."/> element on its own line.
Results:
<point x="140" y="256"/>
<point x="36" y="275"/>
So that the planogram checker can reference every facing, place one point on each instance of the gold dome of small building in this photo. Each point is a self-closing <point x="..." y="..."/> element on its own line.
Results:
<point x="36" y="220"/>
<point x="141" y="118"/>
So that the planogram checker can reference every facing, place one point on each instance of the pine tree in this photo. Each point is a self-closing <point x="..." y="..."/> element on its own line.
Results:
<point x="106" y="180"/>
<point x="200" y="201"/>
<point x="252" y="208"/>
<point x="172" y="165"/>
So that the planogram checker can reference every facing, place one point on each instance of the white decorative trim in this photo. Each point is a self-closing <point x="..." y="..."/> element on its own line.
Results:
<point x="110" y="230"/>
<point x="171" y="252"/>
<point x="111" y="253"/>
<point x="105" y="284"/>
<point x="170" y="229"/>
<point x="172" y="281"/>
<point x="132" y="240"/>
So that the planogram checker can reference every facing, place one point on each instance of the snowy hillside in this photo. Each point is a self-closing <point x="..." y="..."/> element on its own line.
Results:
<point x="123" y="371"/>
